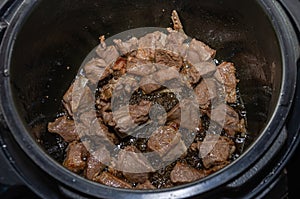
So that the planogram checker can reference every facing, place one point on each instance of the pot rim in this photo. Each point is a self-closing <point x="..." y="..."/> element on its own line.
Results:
<point x="286" y="38"/>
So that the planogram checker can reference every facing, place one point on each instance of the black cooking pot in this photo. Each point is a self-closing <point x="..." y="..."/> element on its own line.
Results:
<point x="45" y="42"/>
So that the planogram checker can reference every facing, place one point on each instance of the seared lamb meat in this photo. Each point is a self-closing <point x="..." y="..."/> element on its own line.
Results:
<point x="206" y="91"/>
<point x="215" y="150"/>
<point x="148" y="85"/>
<point x="96" y="162"/>
<point x="67" y="100"/>
<point x="139" y="112"/>
<point x="76" y="153"/>
<point x="148" y="44"/>
<point x="108" y="53"/>
<point x="134" y="164"/>
<point x="183" y="173"/>
<point x="168" y="58"/>
<point x="146" y="185"/>
<point x="147" y="111"/>
<point x="65" y="128"/>
<point x="96" y="70"/>
<point x="166" y="141"/>
<point x="125" y="47"/>
<point x="225" y="74"/>
<point x="199" y="52"/>
<point x="111" y="180"/>
<point x="128" y="117"/>
<point x="143" y="70"/>
<point x="228" y="118"/>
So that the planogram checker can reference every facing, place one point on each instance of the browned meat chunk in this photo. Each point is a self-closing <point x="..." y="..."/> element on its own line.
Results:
<point x="108" y="118"/>
<point x="139" y="112"/>
<point x="120" y="66"/>
<point x="148" y="85"/>
<point x="76" y="153"/>
<point x="65" y="128"/>
<point x="96" y="162"/>
<point x="125" y="47"/>
<point x="168" y="58"/>
<point x="67" y="100"/>
<point x="164" y="75"/>
<point x="228" y="118"/>
<point x="174" y="43"/>
<point x="96" y="70"/>
<point x="225" y="74"/>
<point x="133" y="61"/>
<point x="148" y="44"/>
<point x="111" y="180"/>
<point x="166" y="141"/>
<point x="108" y="53"/>
<point x="215" y="150"/>
<point x="142" y="70"/>
<point x="206" y="91"/>
<point x="193" y="73"/>
<point x="146" y="185"/>
<point x="199" y="52"/>
<point x="134" y="165"/>
<point x="183" y="173"/>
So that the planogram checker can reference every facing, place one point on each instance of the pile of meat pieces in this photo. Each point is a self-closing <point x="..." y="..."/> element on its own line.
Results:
<point x="193" y="61"/>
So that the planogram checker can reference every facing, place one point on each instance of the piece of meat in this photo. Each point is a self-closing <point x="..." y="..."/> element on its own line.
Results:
<point x="183" y="173"/>
<point x="174" y="115"/>
<point x="96" y="70"/>
<point x="134" y="165"/>
<point x="215" y="150"/>
<point x="133" y="61"/>
<point x="206" y="91"/>
<point x="175" y="43"/>
<point x="96" y="162"/>
<point x="225" y="74"/>
<point x="190" y="114"/>
<point x="67" y="100"/>
<point x="107" y="90"/>
<point x="146" y="185"/>
<point x="111" y="180"/>
<point x="142" y="70"/>
<point x="148" y="43"/>
<point x="148" y="85"/>
<point x="168" y="58"/>
<point x="120" y="66"/>
<point x="108" y="53"/>
<point x="193" y="73"/>
<point x="82" y="96"/>
<point x="139" y="112"/>
<point x="199" y="52"/>
<point x="166" y="141"/>
<point x="165" y="75"/>
<point x="89" y="125"/>
<point x="108" y="118"/>
<point x="76" y="153"/>
<point x="227" y="117"/>
<point x="65" y="128"/>
<point x="125" y="47"/>
<point x="129" y="117"/>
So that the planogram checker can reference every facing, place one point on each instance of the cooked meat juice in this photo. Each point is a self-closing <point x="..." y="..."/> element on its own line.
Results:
<point x="163" y="113"/>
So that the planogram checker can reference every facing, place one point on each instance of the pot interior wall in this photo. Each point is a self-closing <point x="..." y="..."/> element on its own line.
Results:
<point x="57" y="36"/>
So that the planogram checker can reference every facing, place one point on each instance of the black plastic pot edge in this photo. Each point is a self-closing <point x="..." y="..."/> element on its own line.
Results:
<point x="28" y="145"/>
